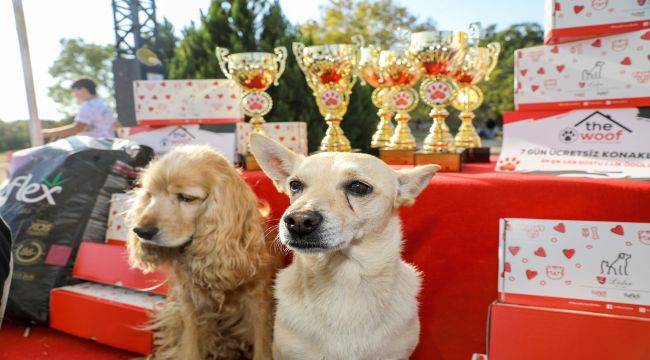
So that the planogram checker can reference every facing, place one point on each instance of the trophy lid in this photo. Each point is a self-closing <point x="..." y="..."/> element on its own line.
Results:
<point x="252" y="57"/>
<point x="434" y="37"/>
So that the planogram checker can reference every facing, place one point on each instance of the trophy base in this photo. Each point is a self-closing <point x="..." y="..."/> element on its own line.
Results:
<point x="448" y="162"/>
<point x="250" y="163"/>
<point x="397" y="157"/>
<point x="476" y="155"/>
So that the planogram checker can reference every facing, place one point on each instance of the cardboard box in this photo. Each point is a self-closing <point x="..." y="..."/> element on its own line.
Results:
<point x="595" y="266"/>
<point x="162" y="139"/>
<point x="604" y="72"/>
<point x="116" y="229"/>
<point x="595" y="143"/>
<point x="106" y="314"/>
<point x="571" y="20"/>
<point x="109" y="264"/>
<point x="293" y="135"/>
<point x="191" y="101"/>
<point x="523" y="332"/>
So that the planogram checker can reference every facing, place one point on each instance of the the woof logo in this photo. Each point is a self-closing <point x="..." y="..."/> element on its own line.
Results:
<point x="593" y="73"/>
<point x="28" y="192"/>
<point x="595" y="128"/>
<point x="178" y="136"/>
<point x="599" y="4"/>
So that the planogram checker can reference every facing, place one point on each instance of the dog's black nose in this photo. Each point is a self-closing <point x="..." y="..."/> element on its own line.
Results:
<point x="146" y="232"/>
<point x="302" y="222"/>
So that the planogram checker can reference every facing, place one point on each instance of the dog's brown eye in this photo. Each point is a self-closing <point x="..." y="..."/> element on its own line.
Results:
<point x="358" y="188"/>
<point x="185" y="198"/>
<point x="296" y="186"/>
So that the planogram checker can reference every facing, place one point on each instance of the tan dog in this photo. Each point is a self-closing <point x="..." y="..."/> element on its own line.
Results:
<point x="195" y="214"/>
<point x="347" y="294"/>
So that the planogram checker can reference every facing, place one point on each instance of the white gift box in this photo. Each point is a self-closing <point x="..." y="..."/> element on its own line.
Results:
<point x="598" y="143"/>
<point x="571" y="20"/>
<point x="168" y="102"/>
<point x="594" y="266"/>
<point x="611" y="71"/>
<point x="293" y="135"/>
<point x="162" y="139"/>
<point x="117" y="231"/>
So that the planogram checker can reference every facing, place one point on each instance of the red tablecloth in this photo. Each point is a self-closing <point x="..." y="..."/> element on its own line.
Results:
<point x="452" y="236"/>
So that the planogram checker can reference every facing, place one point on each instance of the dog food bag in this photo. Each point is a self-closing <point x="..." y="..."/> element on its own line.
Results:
<point x="57" y="197"/>
<point x="596" y="266"/>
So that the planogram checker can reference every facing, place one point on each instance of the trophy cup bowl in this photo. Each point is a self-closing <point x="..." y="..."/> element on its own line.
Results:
<point x="402" y="73"/>
<point x="253" y="72"/>
<point x="331" y="71"/>
<point x="370" y="73"/>
<point x="477" y="65"/>
<point x="438" y="55"/>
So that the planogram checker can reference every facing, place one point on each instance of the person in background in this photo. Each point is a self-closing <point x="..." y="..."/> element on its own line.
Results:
<point x="5" y="266"/>
<point x="95" y="117"/>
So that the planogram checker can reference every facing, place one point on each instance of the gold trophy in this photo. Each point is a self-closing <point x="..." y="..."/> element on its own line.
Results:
<point x="402" y="73"/>
<point x="438" y="54"/>
<point x="253" y="72"/>
<point x="331" y="71"/>
<point x="476" y="67"/>
<point x="371" y="74"/>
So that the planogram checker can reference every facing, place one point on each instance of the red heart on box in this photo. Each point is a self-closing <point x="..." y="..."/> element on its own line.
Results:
<point x="540" y="252"/>
<point x="229" y="107"/>
<point x="150" y="108"/>
<point x="646" y="35"/>
<point x="618" y="230"/>
<point x="506" y="267"/>
<point x="555" y="49"/>
<point x="541" y="71"/>
<point x="560" y="68"/>
<point x="168" y="96"/>
<point x="534" y="88"/>
<point x="163" y="84"/>
<point x="641" y="2"/>
<point x="141" y="97"/>
<point x="601" y="279"/>
<point x="569" y="253"/>
<point x="207" y="96"/>
<point x="559" y="228"/>
<point x="581" y="84"/>
<point x="189" y="83"/>
<point x="219" y="96"/>
<point x="523" y="72"/>
<point x="154" y="97"/>
<point x="626" y="61"/>
<point x="596" y="43"/>
<point x="557" y="6"/>
<point x="578" y="8"/>
<point x="232" y="96"/>
<point x="513" y="250"/>
<point x="530" y="274"/>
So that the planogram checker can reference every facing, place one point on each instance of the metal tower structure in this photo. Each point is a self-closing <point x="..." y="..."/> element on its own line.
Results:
<point x="135" y="26"/>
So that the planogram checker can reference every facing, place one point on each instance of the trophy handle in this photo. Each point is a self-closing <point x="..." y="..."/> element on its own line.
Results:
<point x="221" y="57"/>
<point x="281" y="53"/>
<point x="297" y="49"/>
<point x="494" y="49"/>
<point x="359" y="42"/>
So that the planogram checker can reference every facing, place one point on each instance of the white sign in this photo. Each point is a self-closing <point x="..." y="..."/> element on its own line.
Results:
<point x="608" y="143"/>
<point x="580" y="265"/>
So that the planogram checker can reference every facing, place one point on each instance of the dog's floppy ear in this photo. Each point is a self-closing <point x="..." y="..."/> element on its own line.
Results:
<point x="412" y="182"/>
<point x="277" y="161"/>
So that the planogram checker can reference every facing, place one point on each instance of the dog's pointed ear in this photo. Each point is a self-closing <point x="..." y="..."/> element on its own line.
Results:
<point x="277" y="161"/>
<point x="412" y="182"/>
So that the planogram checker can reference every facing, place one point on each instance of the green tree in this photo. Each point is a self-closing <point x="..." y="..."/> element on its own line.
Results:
<point x="165" y="41"/>
<point x="14" y="135"/>
<point x="80" y="59"/>
<point x="498" y="91"/>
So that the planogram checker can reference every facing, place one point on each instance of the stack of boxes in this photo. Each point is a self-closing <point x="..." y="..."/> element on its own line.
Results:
<point x="182" y="112"/>
<point x="115" y="302"/>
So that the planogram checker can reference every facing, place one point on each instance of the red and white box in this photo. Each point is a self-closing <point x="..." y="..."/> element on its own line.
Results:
<point x="603" y="72"/>
<point x="109" y="264"/>
<point x="172" y="102"/>
<point x="597" y="143"/>
<point x="107" y="314"/>
<point x="571" y="20"/>
<point x="293" y="135"/>
<point x="117" y="231"/>
<point x="221" y="137"/>
<point x="595" y="266"/>
<point x="518" y="332"/>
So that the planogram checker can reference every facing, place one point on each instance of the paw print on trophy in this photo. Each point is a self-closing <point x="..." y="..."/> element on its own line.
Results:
<point x="253" y="72"/>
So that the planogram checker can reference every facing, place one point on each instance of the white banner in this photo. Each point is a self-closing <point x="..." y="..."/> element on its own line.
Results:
<point x="607" y="143"/>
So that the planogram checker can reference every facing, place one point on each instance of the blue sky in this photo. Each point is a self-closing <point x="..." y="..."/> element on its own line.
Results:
<point x="48" y="21"/>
